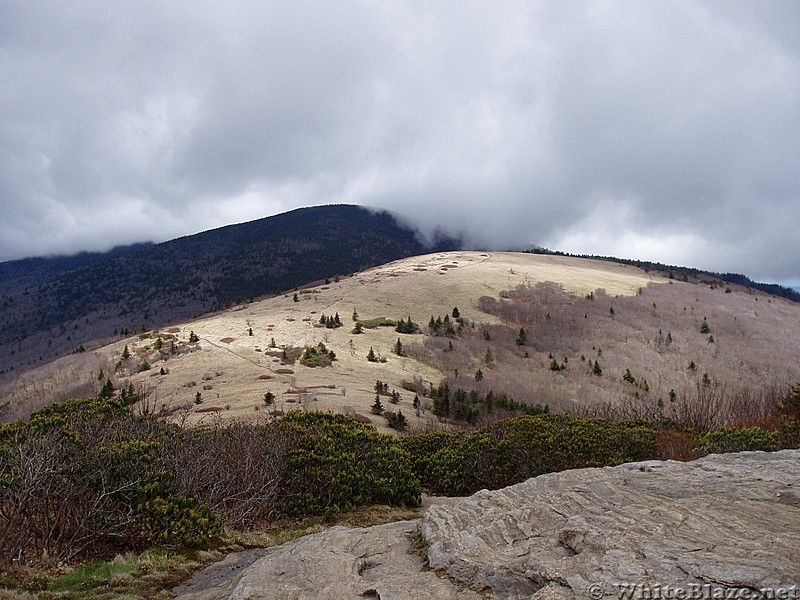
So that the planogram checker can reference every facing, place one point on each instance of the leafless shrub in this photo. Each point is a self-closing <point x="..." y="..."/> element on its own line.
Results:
<point x="621" y="409"/>
<point x="60" y="499"/>
<point x="234" y="469"/>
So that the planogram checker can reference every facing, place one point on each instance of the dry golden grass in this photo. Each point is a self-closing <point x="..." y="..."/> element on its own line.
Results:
<point x="755" y="340"/>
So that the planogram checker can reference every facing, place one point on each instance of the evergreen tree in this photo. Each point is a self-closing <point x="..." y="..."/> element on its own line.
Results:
<point x="397" y="420"/>
<point x="398" y="347"/>
<point x="522" y="338"/>
<point x="478" y="375"/>
<point x="456" y="314"/>
<point x="704" y="328"/>
<point x="371" y="355"/>
<point x="107" y="390"/>
<point x="377" y="407"/>
<point x="628" y="376"/>
<point x="126" y="354"/>
<point x="596" y="369"/>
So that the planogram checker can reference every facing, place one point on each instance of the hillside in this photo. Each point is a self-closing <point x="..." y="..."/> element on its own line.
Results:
<point x="27" y="272"/>
<point x="643" y="331"/>
<point x="50" y="308"/>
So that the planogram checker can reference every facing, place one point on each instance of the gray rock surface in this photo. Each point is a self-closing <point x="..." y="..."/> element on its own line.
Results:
<point x="339" y="563"/>
<point x="726" y="521"/>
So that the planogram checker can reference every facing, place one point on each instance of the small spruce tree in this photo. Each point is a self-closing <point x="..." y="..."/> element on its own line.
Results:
<point x="397" y="420"/>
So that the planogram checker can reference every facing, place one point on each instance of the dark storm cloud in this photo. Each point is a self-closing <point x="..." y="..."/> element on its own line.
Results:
<point x="660" y="130"/>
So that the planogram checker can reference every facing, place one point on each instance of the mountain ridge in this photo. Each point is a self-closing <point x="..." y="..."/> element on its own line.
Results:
<point x="155" y="285"/>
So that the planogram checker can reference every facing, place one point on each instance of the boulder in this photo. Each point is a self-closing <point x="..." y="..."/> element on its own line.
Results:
<point x="724" y="522"/>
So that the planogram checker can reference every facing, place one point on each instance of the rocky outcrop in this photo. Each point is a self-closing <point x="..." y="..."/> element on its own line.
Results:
<point x="339" y="563"/>
<point x="726" y="522"/>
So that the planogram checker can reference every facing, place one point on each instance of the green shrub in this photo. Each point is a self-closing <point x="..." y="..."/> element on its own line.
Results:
<point x="729" y="439"/>
<point x="422" y="447"/>
<point x="177" y="521"/>
<point x="377" y="322"/>
<point x="513" y="450"/>
<point x="468" y="464"/>
<point x="337" y="464"/>
<point x="790" y="405"/>
<point x="317" y="356"/>
<point x="789" y="432"/>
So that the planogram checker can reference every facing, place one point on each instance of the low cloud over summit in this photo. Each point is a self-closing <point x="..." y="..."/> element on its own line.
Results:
<point x="664" y="131"/>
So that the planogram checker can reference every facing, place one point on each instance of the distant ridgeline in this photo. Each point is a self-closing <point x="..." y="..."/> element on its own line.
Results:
<point x="51" y="306"/>
<point x="27" y="271"/>
<point x="684" y="273"/>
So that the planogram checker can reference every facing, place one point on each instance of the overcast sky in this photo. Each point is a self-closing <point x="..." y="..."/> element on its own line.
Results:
<point x="657" y="130"/>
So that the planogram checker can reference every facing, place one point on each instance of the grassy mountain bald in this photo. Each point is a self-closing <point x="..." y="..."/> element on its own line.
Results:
<point x="579" y="335"/>
<point x="49" y="307"/>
